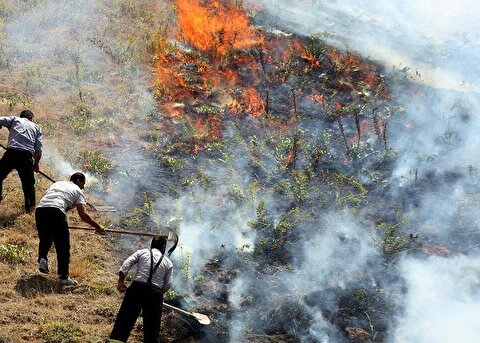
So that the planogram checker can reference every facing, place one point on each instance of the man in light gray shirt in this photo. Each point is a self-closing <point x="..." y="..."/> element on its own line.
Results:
<point x="152" y="279"/>
<point x="23" y="154"/>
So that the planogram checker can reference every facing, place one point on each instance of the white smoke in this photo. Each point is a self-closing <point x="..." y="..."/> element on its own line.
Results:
<point x="437" y="42"/>
<point x="67" y="55"/>
<point x="442" y="301"/>
<point x="439" y="39"/>
<point x="338" y="253"/>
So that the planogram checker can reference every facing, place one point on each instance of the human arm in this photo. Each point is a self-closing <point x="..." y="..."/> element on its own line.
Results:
<point x="38" y="151"/>
<point x="36" y="163"/>
<point x="6" y="121"/>
<point x="121" y="282"/>
<point x="122" y="273"/>
<point x="82" y="212"/>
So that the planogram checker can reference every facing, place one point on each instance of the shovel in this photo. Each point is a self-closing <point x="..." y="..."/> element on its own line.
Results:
<point x="98" y="208"/>
<point x="199" y="317"/>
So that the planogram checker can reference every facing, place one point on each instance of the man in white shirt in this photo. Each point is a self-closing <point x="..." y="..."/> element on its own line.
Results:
<point x="52" y="225"/>
<point x="23" y="154"/>
<point x="152" y="279"/>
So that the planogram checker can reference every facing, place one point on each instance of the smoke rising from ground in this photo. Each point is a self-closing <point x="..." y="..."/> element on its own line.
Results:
<point x="430" y="37"/>
<point x="437" y="44"/>
<point x="436" y="41"/>
<point x="442" y="300"/>
<point x="69" y="51"/>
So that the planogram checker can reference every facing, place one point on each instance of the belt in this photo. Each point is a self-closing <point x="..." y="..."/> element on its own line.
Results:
<point x="144" y="284"/>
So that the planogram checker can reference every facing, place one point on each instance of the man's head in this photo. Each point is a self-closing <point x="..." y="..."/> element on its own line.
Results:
<point x="78" y="179"/>
<point x="26" y="114"/>
<point x="160" y="243"/>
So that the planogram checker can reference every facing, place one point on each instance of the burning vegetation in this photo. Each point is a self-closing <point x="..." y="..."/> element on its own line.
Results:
<point x="268" y="152"/>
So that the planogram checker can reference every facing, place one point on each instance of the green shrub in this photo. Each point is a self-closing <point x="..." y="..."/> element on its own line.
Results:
<point x="12" y="253"/>
<point x="106" y="311"/>
<point x="99" y="288"/>
<point x="63" y="333"/>
<point x="93" y="161"/>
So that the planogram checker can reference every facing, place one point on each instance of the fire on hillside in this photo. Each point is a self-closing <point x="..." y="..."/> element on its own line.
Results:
<point x="221" y="65"/>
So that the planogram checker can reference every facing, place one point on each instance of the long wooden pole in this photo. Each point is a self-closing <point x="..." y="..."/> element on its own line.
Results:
<point x="125" y="232"/>
<point x="107" y="208"/>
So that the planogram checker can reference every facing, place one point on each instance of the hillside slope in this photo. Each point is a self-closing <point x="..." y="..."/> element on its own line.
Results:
<point x="272" y="155"/>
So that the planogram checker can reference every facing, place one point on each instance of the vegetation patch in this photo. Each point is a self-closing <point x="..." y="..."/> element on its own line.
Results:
<point x="93" y="161"/>
<point x="13" y="253"/>
<point x="63" y="333"/>
<point x="101" y="289"/>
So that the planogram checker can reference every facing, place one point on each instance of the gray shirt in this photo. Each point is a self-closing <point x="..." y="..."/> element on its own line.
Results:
<point x="24" y="134"/>
<point x="162" y="276"/>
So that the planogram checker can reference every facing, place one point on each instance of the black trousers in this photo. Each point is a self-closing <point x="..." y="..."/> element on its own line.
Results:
<point x="52" y="227"/>
<point x="22" y="162"/>
<point x="147" y="298"/>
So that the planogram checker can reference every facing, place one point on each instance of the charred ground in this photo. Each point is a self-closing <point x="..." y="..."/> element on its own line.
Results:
<point x="254" y="129"/>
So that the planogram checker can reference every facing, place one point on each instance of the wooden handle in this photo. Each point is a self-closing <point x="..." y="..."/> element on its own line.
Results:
<point x="199" y="317"/>
<point x="149" y="234"/>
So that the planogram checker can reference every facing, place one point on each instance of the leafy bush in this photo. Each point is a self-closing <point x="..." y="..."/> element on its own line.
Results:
<point x="12" y="253"/>
<point x="93" y="161"/>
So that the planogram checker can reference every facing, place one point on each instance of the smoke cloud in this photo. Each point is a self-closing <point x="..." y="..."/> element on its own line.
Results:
<point x="69" y="51"/>
<point x="442" y="300"/>
<point x="435" y="43"/>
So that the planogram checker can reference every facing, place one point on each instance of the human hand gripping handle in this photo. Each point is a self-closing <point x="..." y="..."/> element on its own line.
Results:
<point x="82" y="211"/>
<point x="99" y="229"/>
<point x="121" y="283"/>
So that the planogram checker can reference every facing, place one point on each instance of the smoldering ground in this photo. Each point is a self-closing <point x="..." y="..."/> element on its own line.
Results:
<point x="249" y="256"/>
<point x="432" y="43"/>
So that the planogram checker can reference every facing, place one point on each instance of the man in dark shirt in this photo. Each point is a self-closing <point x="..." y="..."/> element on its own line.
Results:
<point x="23" y="154"/>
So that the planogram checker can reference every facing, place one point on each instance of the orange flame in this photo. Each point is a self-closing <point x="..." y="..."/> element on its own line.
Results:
<point x="319" y="98"/>
<point x="209" y="128"/>
<point x="352" y="64"/>
<point x="253" y="102"/>
<point x="214" y="26"/>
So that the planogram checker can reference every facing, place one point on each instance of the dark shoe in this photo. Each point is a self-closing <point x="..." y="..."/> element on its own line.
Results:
<point x="43" y="266"/>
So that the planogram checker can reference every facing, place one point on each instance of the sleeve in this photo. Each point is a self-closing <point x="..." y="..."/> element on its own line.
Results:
<point x="167" y="280"/>
<point x="6" y="121"/>
<point x="130" y="262"/>
<point x="80" y="198"/>
<point x="38" y="143"/>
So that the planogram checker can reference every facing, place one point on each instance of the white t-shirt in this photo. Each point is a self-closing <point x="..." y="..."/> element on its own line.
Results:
<point x="63" y="195"/>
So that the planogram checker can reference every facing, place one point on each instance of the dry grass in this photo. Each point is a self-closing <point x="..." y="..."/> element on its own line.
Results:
<point x="33" y="306"/>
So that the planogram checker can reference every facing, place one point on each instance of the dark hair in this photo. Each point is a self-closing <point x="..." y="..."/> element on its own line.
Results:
<point x="159" y="242"/>
<point x="26" y="114"/>
<point x="77" y="176"/>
